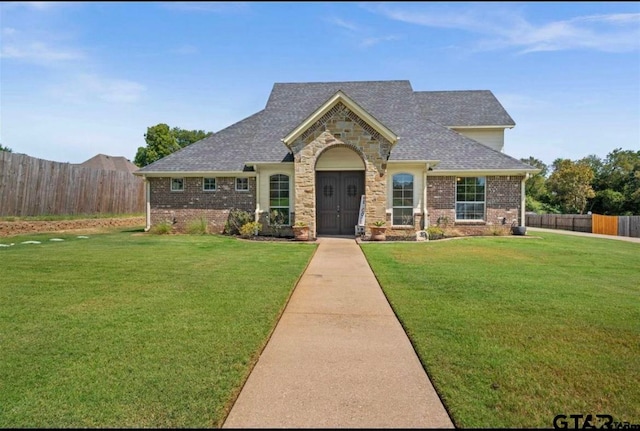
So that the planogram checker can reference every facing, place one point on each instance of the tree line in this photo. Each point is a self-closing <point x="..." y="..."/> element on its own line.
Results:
<point x="608" y="186"/>
<point x="162" y="140"/>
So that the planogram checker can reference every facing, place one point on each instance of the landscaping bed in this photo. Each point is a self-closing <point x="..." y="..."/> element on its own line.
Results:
<point x="19" y="227"/>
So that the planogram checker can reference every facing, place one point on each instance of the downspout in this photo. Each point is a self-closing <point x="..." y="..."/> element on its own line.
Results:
<point x="523" y="199"/>
<point x="256" y="215"/>
<point x="424" y="196"/>
<point x="147" y="195"/>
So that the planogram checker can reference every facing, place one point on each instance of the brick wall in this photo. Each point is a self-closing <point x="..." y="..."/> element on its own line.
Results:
<point x="502" y="201"/>
<point x="191" y="204"/>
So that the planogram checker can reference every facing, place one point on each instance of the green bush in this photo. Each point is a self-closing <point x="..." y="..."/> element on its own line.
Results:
<point x="250" y="229"/>
<point x="237" y="218"/>
<point x="198" y="227"/>
<point x="161" y="228"/>
<point x="435" y="232"/>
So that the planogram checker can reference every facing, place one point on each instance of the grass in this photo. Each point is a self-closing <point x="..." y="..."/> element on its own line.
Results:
<point x="516" y="331"/>
<point x="135" y="330"/>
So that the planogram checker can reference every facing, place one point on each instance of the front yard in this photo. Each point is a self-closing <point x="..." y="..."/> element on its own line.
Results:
<point x="135" y="330"/>
<point x="514" y="331"/>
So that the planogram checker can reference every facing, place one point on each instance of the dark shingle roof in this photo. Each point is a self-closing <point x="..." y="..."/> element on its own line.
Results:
<point x="109" y="163"/>
<point x="258" y="138"/>
<point x="463" y="108"/>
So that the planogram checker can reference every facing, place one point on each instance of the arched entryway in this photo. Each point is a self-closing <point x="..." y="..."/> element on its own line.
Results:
<point x="339" y="187"/>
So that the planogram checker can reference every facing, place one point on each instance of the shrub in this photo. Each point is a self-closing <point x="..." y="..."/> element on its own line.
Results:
<point x="161" y="228"/>
<point x="250" y="229"/>
<point x="277" y="220"/>
<point x="435" y="232"/>
<point x="198" y="227"/>
<point x="497" y="230"/>
<point x="237" y="218"/>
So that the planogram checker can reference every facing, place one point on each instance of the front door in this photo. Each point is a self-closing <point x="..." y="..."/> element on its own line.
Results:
<point x="338" y="201"/>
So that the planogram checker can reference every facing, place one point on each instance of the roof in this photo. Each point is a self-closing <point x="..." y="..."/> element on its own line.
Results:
<point x="394" y="104"/>
<point x="109" y="163"/>
<point x="463" y="108"/>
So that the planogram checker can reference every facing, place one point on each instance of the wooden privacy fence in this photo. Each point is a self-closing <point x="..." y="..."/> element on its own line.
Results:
<point x="605" y="225"/>
<point x="593" y="223"/>
<point x="31" y="187"/>
<point x="574" y="222"/>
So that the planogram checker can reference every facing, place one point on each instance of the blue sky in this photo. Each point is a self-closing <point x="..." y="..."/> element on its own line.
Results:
<point x="79" y="79"/>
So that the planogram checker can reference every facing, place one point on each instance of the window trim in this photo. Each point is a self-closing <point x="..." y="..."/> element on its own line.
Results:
<point x="215" y="184"/>
<point x="171" y="184"/>
<point x="483" y="202"/>
<point x="393" y="207"/>
<point x="236" y="184"/>
<point x="289" y="197"/>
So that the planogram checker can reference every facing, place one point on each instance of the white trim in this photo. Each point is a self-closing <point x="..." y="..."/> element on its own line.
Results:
<point x="413" y="199"/>
<point x="523" y="201"/>
<point x="484" y="203"/>
<point x="353" y="106"/>
<point x="289" y="183"/>
<point x="147" y="207"/>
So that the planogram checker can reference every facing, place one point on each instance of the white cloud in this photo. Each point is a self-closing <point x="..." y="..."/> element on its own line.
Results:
<point x="363" y="35"/>
<point x="87" y="88"/>
<point x="210" y="7"/>
<point x="509" y="29"/>
<point x="344" y="24"/>
<point x="16" y="45"/>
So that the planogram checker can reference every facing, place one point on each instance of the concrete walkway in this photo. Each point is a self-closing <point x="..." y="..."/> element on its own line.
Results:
<point x="591" y="235"/>
<point x="338" y="357"/>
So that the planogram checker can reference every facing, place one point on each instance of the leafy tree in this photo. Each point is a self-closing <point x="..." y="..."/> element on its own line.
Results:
<point x="162" y="141"/>
<point x="7" y="149"/>
<point x="537" y="195"/>
<point x="621" y="173"/>
<point x="570" y="185"/>
<point x="188" y="137"/>
<point x="616" y="182"/>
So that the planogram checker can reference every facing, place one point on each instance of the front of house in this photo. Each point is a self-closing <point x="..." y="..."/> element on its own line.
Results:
<point x="320" y="152"/>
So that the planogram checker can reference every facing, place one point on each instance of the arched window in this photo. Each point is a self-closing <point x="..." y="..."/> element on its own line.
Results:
<point x="279" y="198"/>
<point x="403" y="200"/>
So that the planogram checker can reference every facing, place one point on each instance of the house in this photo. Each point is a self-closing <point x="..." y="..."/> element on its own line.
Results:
<point x="109" y="163"/>
<point x="417" y="157"/>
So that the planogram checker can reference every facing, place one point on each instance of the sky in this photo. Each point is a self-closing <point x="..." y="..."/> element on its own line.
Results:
<point x="80" y="79"/>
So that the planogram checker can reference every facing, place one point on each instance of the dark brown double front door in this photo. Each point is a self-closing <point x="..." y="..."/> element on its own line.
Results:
<point x="338" y="201"/>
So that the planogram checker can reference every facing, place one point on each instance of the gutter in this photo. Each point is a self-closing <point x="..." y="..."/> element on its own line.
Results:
<point x="147" y="193"/>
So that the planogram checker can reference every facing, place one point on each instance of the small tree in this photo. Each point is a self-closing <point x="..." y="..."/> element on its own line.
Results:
<point x="570" y="185"/>
<point x="7" y="149"/>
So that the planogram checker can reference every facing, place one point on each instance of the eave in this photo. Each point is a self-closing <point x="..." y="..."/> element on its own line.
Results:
<point x="340" y="97"/>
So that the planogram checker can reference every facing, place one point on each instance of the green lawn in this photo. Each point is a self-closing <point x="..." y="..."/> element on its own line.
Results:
<point x="514" y="331"/>
<point x="135" y="330"/>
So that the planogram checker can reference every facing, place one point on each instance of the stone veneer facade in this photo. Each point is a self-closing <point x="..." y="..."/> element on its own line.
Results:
<point x="192" y="204"/>
<point x="340" y="127"/>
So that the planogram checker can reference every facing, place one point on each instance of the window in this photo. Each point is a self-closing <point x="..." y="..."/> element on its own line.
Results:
<point x="279" y="197"/>
<point x="177" y="184"/>
<point x="242" y="184"/>
<point x="208" y="184"/>
<point x="470" y="198"/>
<point x="403" y="200"/>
